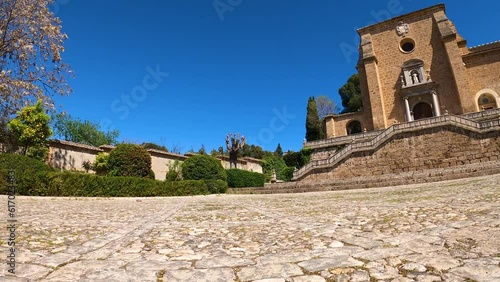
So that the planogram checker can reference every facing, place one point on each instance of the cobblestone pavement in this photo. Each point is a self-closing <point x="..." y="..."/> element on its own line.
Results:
<point x="447" y="231"/>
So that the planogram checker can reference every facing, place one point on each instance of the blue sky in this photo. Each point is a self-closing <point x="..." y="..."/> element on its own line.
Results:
<point x="187" y="72"/>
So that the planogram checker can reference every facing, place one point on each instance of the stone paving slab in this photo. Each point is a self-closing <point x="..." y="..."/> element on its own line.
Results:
<point x="446" y="231"/>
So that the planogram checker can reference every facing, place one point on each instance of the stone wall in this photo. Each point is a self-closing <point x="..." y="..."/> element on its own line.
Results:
<point x="249" y="164"/>
<point x="65" y="155"/>
<point x="337" y="125"/>
<point x="480" y="64"/>
<point x="161" y="161"/>
<point x="433" y="148"/>
<point x="429" y="149"/>
<point x="388" y="180"/>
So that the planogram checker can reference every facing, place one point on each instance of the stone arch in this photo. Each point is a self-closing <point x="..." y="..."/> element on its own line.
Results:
<point x="354" y="127"/>
<point x="422" y="110"/>
<point x="486" y="99"/>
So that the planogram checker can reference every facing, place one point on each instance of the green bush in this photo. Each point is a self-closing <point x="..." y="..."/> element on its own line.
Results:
<point x="203" y="167"/>
<point x="241" y="178"/>
<point x="216" y="186"/>
<point x="129" y="160"/>
<point x="40" y="152"/>
<point x="25" y="169"/>
<point x="100" y="165"/>
<point x="174" y="172"/>
<point x="271" y="163"/>
<point x="286" y="173"/>
<point x="73" y="184"/>
<point x="22" y="163"/>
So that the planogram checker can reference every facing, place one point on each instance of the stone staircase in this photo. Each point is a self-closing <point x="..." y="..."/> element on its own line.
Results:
<point x="432" y="175"/>
<point x="447" y="120"/>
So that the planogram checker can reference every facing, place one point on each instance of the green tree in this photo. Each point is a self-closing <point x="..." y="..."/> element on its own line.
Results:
<point x="276" y="163"/>
<point x="292" y="158"/>
<point x="313" y="123"/>
<point x="130" y="160"/>
<point x="252" y="151"/>
<point x="350" y="93"/>
<point x="203" y="167"/>
<point x="31" y="45"/>
<point x="278" y="152"/>
<point x="31" y="127"/>
<point x="149" y="145"/>
<point x="85" y="132"/>
<point x="297" y="159"/>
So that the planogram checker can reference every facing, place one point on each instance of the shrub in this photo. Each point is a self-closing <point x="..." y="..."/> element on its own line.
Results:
<point x="286" y="173"/>
<point x="100" y="165"/>
<point x="74" y="184"/>
<point x="241" y="178"/>
<point x="203" y="167"/>
<point x="129" y="160"/>
<point x="216" y="186"/>
<point x="26" y="169"/>
<point x="22" y="163"/>
<point x="39" y="152"/>
<point x="174" y="172"/>
<point x="271" y="163"/>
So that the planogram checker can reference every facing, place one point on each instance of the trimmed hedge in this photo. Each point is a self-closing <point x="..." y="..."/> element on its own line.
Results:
<point x="24" y="167"/>
<point x="35" y="178"/>
<point x="22" y="163"/>
<point x="237" y="178"/>
<point x="47" y="183"/>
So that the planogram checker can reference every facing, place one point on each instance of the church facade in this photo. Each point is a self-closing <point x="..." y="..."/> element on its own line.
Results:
<point x="417" y="66"/>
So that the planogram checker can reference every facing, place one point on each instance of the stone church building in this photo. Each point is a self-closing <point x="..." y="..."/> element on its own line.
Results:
<point x="418" y="66"/>
<point x="431" y="110"/>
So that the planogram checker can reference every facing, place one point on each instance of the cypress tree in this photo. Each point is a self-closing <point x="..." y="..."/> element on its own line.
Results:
<point x="313" y="123"/>
<point x="278" y="152"/>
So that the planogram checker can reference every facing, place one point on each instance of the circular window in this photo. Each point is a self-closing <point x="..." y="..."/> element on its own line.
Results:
<point x="407" y="45"/>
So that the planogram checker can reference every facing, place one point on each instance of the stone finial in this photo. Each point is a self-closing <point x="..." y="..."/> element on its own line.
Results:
<point x="273" y="176"/>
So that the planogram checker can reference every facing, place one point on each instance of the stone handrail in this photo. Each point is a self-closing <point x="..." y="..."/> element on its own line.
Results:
<point x="389" y="133"/>
<point x="340" y="140"/>
<point x="482" y="114"/>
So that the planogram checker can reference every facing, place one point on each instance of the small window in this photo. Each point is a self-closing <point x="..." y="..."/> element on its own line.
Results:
<point x="407" y="45"/>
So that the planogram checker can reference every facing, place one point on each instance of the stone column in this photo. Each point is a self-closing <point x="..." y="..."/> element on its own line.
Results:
<point x="435" y="103"/>
<point x="458" y="69"/>
<point x="407" y="110"/>
<point x="376" y="95"/>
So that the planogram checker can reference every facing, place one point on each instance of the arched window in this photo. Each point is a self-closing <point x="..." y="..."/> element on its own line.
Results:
<point x="486" y="102"/>
<point x="354" y="127"/>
